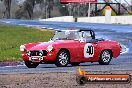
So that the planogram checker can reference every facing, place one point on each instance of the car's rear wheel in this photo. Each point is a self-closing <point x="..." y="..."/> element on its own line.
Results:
<point x="62" y="59"/>
<point x="105" y="57"/>
<point x="30" y="64"/>
<point x="75" y="64"/>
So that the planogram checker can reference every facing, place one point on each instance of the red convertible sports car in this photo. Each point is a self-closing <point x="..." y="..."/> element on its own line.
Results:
<point x="70" y="47"/>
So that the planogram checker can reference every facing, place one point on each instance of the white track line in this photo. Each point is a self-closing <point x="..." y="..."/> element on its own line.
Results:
<point x="12" y="66"/>
<point x="125" y="49"/>
<point x="51" y="28"/>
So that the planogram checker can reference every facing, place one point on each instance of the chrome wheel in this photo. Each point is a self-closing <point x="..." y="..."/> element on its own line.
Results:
<point x="105" y="57"/>
<point x="62" y="59"/>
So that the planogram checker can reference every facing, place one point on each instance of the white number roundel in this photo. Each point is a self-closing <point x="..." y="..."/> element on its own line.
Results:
<point x="88" y="50"/>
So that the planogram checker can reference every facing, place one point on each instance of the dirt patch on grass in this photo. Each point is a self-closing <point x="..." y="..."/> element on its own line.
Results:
<point x="41" y="29"/>
<point x="54" y="80"/>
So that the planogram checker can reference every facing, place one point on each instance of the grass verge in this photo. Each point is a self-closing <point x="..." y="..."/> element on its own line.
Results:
<point x="11" y="37"/>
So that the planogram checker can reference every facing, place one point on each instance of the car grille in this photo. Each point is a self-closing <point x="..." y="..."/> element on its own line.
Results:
<point x="37" y="53"/>
<point x="45" y="53"/>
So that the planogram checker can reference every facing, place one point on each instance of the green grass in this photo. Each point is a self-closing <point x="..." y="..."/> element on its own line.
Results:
<point x="11" y="37"/>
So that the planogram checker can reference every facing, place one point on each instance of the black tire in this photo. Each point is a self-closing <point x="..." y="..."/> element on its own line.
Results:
<point x="62" y="59"/>
<point x="105" y="57"/>
<point x="75" y="64"/>
<point x="31" y="64"/>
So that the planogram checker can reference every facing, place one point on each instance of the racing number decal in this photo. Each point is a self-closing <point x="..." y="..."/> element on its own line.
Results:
<point x="88" y="50"/>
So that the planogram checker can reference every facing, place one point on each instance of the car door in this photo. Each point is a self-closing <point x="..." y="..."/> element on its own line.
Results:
<point x="88" y="47"/>
<point x="89" y="51"/>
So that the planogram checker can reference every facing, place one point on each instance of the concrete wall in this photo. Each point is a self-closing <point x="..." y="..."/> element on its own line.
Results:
<point x="60" y="19"/>
<point x="99" y="19"/>
<point x="102" y="19"/>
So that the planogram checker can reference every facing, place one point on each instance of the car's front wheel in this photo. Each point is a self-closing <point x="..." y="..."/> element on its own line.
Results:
<point x="105" y="57"/>
<point x="62" y="59"/>
<point x="31" y="64"/>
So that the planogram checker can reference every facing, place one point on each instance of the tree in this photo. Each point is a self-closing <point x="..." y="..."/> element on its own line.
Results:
<point x="6" y="12"/>
<point x="28" y="7"/>
<point x="50" y="4"/>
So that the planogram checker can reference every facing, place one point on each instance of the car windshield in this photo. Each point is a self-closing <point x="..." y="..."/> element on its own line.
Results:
<point x="66" y="35"/>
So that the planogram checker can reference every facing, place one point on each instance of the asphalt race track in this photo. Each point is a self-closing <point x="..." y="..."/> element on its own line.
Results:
<point x="121" y="33"/>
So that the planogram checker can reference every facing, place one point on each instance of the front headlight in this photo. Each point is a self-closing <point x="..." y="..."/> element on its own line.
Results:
<point x="50" y="48"/>
<point x="22" y="48"/>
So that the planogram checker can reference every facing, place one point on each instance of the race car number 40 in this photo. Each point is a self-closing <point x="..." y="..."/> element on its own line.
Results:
<point x="88" y="50"/>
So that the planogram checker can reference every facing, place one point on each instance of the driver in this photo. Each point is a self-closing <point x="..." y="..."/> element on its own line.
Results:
<point x="88" y="37"/>
<point x="71" y="35"/>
